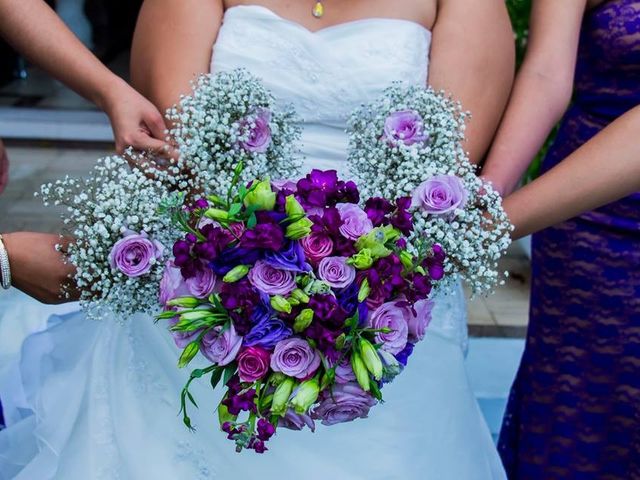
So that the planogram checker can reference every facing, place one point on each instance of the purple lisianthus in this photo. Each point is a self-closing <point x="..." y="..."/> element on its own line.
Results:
<point x="355" y="222"/>
<point x="390" y="316"/>
<point x="296" y="421"/>
<point x="221" y="346"/>
<point x="253" y="363"/>
<point x="271" y="280"/>
<point x="182" y="339"/>
<point x="336" y="272"/>
<point x="403" y="356"/>
<point x="377" y="209"/>
<point x="172" y="284"/>
<point x="234" y="256"/>
<point x="348" y="298"/>
<point x="290" y="257"/>
<point x="295" y="358"/>
<point x="267" y="333"/>
<point x="135" y="254"/>
<point x="344" y="403"/>
<point x="405" y="126"/>
<point x="257" y="130"/>
<point x="418" y="319"/>
<point x="317" y="246"/>
<point x="441" y="195"/>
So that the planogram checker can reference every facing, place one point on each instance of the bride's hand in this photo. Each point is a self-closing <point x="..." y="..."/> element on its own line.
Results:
<point x="37" y="268"/>
<point x="4" y="167"/>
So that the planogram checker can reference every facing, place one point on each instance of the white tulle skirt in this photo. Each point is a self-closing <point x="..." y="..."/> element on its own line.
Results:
<point x="99" y="400"/>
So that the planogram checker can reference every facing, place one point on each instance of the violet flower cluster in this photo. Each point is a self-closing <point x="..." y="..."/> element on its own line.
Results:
<point x="304" y="303"/>
<point x="410" y="143"/>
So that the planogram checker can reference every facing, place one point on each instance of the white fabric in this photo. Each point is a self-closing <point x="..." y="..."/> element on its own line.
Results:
<point x="95" y="400"/>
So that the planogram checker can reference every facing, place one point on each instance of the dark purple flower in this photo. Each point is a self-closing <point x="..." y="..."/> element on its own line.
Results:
<point x="236" y="402"/>
<point x="290" y="257"/>
<point x="267" y="234"/>
<point x="403" y="356"/>
<point x="267" y="333"/>
<point x="265" y="430"/>
<point x="318" y="187"/>
<point x="325" y="339"/>
<point x="216" y="240"/>
<point x="232" y="257"/>
<point x="377" y="209"/>
<point x="402" y="218"/>
<point x="347" y="193"/>
<point x="259" y="446"/>
<point x="348" y="298"/>
<point x="327" y="311"/>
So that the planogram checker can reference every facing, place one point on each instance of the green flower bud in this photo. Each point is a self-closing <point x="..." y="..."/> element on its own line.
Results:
<point x="390" y="366"/>
<point x="238" y="169"/>
<point x="293" y="208"/>
<point x="299" y="229"/>
<point x="371" y="358"/>
<point x="280" y="304"/>
<point x="294" y="302"/>
<point x="299" y="295"/>
<point x="303" y="320"/>
<point x="237" y="273"/>
<point x="407" y="260"/>
<point x="261" y="197"/>
<point x="215" y="199"/>
<point x="276" y="378"/>
<point x="217" y="214"/>
<point x="361" y="260"/>
<point x="364" y="291"/>
<point x="340" y="341"/>
<point x="185" y="302"/>
<point x="359" y="368"/>
<point x="281" y="397"/>
<point x="376" y="240"/>
<point x="306" y="396"/>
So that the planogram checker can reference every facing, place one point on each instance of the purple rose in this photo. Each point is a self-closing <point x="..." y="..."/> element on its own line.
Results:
<point x="257" y="130"/>
<point x="336" y="272"/>
<point x="135" y="254"/>
<point x="418" y="319"/>
<point x="316" y="246"/>
<point x="344" y="372"/>
<point x="344" y="403"/>
<point x="295" y="358"/>
<point x="440" y="195"/>
<point x="390" y="316"/>
<point x="253" y="363"/>
<point x="203" y="283"/>
<point x="271" y="280"/>
<point x="296" y="421"/>
<point x="221" y="347"/>
<point x="355" y="222"/>
<point x="405" y="127"/>
<point x="172" y="284"/>
<point x="182" y="339"/>
<point x="267" y="333"/>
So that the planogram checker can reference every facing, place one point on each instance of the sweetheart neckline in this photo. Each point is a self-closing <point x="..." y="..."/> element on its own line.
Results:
<point x="330" y="28"/>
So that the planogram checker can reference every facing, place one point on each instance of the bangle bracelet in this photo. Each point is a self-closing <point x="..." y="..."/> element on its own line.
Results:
<point x="5" y="268"/>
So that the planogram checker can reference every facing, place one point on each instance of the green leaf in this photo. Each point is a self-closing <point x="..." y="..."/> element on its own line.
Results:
<point x="235" y="209"/>
<point x="228" y="372"/>
<point x="168" y="315"/>
<point x="191" y="399"/>
<point x="375" y="391"/>
<point x="188" y="354"/>
<point x="216" y="375"/>
<point x="253" y="221"/>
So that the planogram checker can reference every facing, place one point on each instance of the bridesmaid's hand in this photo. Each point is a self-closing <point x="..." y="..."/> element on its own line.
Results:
<point x="4" y="167"/>
<point x="37" y="268"/>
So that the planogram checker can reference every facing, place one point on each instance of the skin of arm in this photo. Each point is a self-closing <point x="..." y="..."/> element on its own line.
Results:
<point x="604" y="169"/>
<point x="541" y="93"/>
<point x="35" y="30"/>
<point x="473" y="58"/>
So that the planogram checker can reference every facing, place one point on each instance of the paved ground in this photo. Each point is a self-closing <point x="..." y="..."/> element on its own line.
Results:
<point x="503" y="314"/>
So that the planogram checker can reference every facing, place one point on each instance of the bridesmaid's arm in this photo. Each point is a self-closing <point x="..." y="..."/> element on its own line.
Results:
<point x="541" y="93"/>
<point x="472" y="57"/>
<point x="604" y="169"/>
<point x="172" y="44"/>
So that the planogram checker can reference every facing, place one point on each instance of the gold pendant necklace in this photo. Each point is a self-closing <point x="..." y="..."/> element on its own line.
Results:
<point x="318" y="9"/>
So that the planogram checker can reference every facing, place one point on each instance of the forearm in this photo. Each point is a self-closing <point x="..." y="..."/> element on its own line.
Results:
<point x="602" y="170"/>
<point x="536" y="105"/>
<point x="36" y="31"/>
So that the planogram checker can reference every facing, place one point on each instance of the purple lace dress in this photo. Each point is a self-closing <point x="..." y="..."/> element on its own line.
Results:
<point x="574" y="410"/>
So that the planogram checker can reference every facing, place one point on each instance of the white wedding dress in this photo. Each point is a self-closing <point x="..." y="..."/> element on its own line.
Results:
<point x="98" y="400"/>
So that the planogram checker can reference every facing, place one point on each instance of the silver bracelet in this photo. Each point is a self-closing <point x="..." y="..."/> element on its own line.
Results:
<point x="5" y="267"/>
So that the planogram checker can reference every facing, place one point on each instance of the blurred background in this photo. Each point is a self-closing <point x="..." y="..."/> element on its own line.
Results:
<point x="51" y="132"/>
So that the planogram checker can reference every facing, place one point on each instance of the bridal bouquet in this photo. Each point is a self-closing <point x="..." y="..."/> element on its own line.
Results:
<point x="303" y="303"/>
<point x="409" y="142"/>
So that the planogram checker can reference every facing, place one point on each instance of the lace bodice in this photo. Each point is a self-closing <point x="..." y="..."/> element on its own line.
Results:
<point x="326" y="74"/>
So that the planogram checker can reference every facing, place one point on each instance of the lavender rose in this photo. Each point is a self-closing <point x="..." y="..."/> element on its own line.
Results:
<point x="343" y="404"/>
<point x="418" y="319"/>
<point x="316" y="246"/>
<point x="271" y="280"/>
<point x="135" y="254"/>
<point x="256" y="128"/>
<point x="344" y="372"/>
<point x="221" y="347"/>
<point x="203" y="283"/>
<point x="355" y="221"/>
<point x="295" y="358"/>
<point x="336" y="272"/>
<point x="390" y="316"/>
<point x="296" y="421"/>
<point x="182" y="339"/>
<point x="253" y="363"/>
<point x="172" y="284"/>
<point x="440" y="195"/>
<point x="405" y="127"/>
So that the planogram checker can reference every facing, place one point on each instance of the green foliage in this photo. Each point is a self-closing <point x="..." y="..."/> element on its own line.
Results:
<point x="519" y="11"/>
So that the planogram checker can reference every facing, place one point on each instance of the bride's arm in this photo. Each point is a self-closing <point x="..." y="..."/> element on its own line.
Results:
<point x="604" y="169"/>
<point x="172" y="45"/>
<point x="472" y="57"/>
